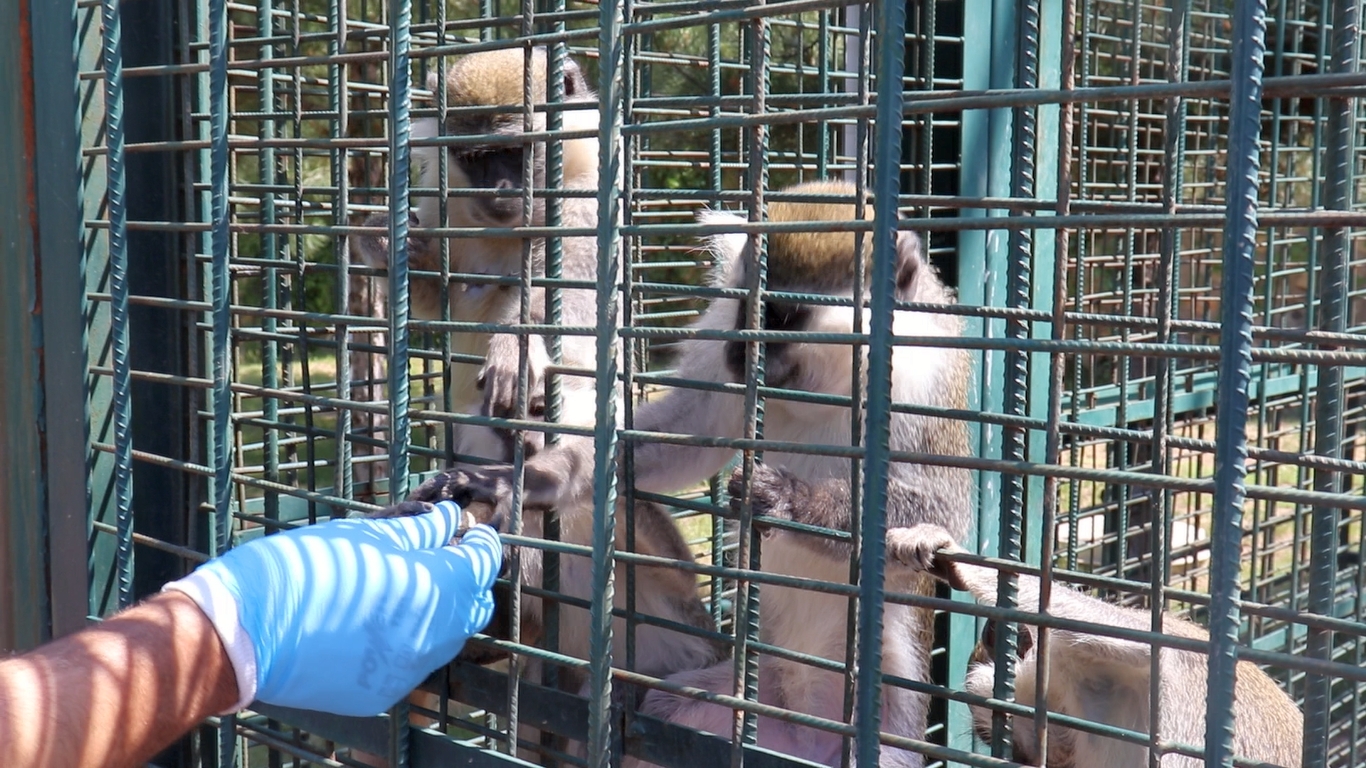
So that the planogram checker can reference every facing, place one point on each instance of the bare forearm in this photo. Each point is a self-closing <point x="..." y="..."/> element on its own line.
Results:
<point x="116" y="693"/>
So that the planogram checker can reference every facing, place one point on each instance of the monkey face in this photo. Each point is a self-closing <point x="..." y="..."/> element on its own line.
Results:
<point x="781" y="369"/>
<point x="981" y="679"/>
<point x="807" y="366"/>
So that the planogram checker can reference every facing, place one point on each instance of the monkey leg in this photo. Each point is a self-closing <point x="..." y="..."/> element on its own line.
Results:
<point x="786" y="738"/>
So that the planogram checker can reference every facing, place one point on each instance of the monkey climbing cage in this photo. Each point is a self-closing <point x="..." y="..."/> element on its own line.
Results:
<point x="1153" y="216"/>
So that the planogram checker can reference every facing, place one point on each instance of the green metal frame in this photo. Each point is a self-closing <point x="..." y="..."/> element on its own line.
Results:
<point x="43" y="514"/>
<point x="1102" y="401"/>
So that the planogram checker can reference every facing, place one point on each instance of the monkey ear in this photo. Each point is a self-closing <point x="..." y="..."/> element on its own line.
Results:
<point x="433" y="82"/>
<point x="910" y="259"/>
<point x="575" y="84"/>
<point x="1024" y="638"/>
<point x="727" y="247"/>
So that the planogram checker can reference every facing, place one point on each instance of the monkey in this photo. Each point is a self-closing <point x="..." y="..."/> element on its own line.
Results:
<point x="798" y="620"/>
<point x="1104" y="679"/>
<point x="490" y="79"/>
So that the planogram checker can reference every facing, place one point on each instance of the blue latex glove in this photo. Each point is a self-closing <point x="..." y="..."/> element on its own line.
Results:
<point x="350" y="615"/>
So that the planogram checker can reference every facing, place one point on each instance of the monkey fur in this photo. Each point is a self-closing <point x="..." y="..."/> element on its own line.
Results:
<point x="799" y="620"/>
<point x="1104" y="679"/>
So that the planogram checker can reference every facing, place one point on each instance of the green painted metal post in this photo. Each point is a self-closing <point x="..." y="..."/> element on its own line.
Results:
<point x="43" y="448"/>
<point x="57" y="179"/>
<point x="1235" y="361"/>
<point x="611" y="96"/>
<point x="980" y="174"/>
<point x="891" y="59"/>
<point x="23" y="589"/>
<point x="1340" y="164"/>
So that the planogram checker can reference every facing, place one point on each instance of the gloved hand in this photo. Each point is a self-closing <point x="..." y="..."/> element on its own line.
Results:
<point x="348" y="616"/>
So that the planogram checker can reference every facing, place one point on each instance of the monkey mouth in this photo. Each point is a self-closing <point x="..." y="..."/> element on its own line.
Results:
<point x="505" y="212"/>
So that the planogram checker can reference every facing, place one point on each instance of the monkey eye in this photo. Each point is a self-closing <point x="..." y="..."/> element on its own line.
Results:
<point x="779" y="316"/>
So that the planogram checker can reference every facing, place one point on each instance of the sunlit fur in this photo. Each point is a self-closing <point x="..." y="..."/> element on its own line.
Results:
<point x="1107" y="679"/>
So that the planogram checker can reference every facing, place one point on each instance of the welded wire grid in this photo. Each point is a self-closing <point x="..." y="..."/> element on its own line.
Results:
<point x="1072" y="164"/>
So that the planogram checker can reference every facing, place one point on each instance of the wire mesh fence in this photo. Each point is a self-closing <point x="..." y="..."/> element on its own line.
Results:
<point x="1151" y="216"/>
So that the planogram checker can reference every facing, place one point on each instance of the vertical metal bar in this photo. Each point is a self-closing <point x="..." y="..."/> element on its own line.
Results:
<point x="1078" y="302"/>
<point x="611" y="53"/>
<point x="400" y="128"/>
<point x="270" y="249"/>
<point x="928" y="22"/>
<point x="747" y="619"/>
<point x="220" y="455"/>
<point x="714" y="178"/>
<point x="1298" y="598"/>
<point x="891" y="42"/>
<point x="1172" y="179"/>
<point x="118" y="282"/>
<point x="637" y="77"/>
<point x="1122" y="450"/>
<point x="1050" y="252"/>
<point x="218" y="184"/>
<point x="1340" y="161"/>
<point x="338" y="103"/>
<point x="556" y="55"/>
<point x="858" y="379"/>
<point x="1235" y="367"/>
<point x="57" y="182"/>
<point x="823" y="49"/>
<point x="1018" y="284"/>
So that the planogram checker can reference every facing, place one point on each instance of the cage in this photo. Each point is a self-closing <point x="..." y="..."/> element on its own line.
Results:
<point x="1151" y="215"/>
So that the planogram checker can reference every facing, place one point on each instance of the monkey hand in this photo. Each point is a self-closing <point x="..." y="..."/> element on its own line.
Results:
<point x="348" y="616"/>
<point x="485" y="495"/>
<point x="915" y="547"/>
<point x="373" y="250"/>
<point x="470" y="516"/>
<point x="773" y="493"/>
<point x="498" y="378"/>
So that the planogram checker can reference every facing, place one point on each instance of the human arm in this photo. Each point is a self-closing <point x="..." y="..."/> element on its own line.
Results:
<point x="67" y="703"/>
<point x="341" y="617"/>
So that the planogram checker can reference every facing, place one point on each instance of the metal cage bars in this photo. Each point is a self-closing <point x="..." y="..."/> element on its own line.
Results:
<point x="1172" y="216"/>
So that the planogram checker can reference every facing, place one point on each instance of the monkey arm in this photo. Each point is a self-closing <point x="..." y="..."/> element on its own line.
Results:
<point x="663" y="467"/>
<point x="915" y="548"/>
<point x="502" y="362"/>
<point x="775" y="492"/>
<point x="562" y="477"/>
<point x="116" y="693"/>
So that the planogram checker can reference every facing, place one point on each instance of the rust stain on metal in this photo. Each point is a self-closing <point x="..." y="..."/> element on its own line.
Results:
<point x="30" y="141"/>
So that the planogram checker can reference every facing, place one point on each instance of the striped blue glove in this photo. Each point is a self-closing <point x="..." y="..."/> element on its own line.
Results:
<point x="348" y="616"/>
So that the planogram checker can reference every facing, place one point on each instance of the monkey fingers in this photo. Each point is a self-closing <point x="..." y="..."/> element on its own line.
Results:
<point x="501" y="372"/>
<point x="486" y="494"/>
<point x="471" y="516"/>
<point x="406" y="508"/>
<point x="477" y="512"/>
<point x="773" y="492"/>
<point x="915" y="548"/>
